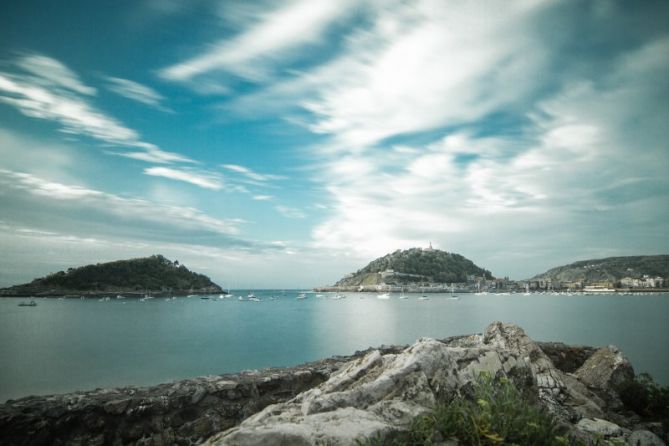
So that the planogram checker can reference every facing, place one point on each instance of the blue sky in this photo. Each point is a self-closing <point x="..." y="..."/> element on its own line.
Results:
<point x="284" y="144"/>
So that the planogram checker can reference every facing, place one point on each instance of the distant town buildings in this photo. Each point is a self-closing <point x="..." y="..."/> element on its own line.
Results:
<point x="644" y="282"/>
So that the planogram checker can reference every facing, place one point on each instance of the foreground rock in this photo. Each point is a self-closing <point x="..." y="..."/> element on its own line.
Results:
<point x="339" y="400"/>
<point x="179" y="413"/>
<point x="378" y="394"/>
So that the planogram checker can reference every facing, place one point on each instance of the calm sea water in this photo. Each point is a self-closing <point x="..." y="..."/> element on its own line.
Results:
<point x="70" y="344"/>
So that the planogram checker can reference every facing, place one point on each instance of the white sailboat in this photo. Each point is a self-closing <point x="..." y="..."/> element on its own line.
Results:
<point x="403" y="296"/>
<point x="252" y="297"/>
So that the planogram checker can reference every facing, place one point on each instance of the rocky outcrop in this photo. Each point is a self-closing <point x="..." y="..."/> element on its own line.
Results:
<point x="605" y="369"/>
<point x="378" y="394"/>
<point x="179" y="413"/>
<point x="339" y="400"/>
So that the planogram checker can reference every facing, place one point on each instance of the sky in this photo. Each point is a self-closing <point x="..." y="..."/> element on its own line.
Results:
<point x="285" y="144"/>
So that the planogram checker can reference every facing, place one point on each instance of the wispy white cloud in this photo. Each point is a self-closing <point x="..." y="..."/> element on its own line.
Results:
<point x="79" y="198"/>
<point x="416" y="67"/>
<point x="588" y="158"/>
<point x="252" y="175"/>
<point x="272" y="38"/>
<point x="153" y="154"/>
<point x="263" y="197"/>
<point x="290" y="212"/>
<point x="137" y="92"/>
<point x="52" y="73"/>
<point x="51" y="94"/>
<point x="207" y="180"/>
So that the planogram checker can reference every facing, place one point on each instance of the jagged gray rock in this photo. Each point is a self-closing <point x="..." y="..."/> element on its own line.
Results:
<point x="178" y="413"/>
<point x="380" y="393"/>
<point x="644" y="438"/>
<point x="605" y="369"/>
<point x="600" y="427"/>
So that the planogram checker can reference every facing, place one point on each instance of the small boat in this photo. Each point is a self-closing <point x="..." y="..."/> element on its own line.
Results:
<point x="118" y="296"/>
<point x="32" y="303"/>
<point x="252" y="297"/>
<point x="383" y="296"/>
<point x="423" y="297"/>
<point x="598" y="289"/>
<point x="403" y="296"/>
<point x="301" y="296"/>
<point x="240" y="298"/>
<point x="204" y="297"/>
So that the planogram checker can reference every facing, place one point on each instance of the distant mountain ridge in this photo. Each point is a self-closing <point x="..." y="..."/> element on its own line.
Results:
<point x="155" y="274"/>
<point x="416" y="265"/>
<point x="610" y="269"/>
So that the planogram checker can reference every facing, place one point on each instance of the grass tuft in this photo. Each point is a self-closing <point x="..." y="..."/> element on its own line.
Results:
<point x="493" y="413"/>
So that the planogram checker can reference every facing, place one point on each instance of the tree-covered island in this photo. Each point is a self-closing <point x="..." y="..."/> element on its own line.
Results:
<point x="154" y="275"/>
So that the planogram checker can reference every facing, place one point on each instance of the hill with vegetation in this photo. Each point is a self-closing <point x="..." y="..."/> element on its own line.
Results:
<point x="610" y="269"/>
<point x="415" y="266"/>
<point x="155" y="274"/>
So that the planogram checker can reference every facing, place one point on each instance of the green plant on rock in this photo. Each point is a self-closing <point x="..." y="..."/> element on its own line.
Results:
<point x="494" y="413"/>
<point x="645" y="397"/>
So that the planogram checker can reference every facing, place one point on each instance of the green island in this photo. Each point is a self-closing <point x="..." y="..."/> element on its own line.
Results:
<point x="154" y="275"/>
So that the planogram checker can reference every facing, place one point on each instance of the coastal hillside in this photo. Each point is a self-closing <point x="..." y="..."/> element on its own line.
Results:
<point x="149" y="274"/>
<point x="414" y="266"/>
<point x="611" y="269"/>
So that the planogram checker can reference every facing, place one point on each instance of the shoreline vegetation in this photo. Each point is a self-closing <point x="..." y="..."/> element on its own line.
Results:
<point x="514" y="390"/>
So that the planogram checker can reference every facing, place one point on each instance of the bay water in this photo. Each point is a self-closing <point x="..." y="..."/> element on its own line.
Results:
<point x="62" y="345"/>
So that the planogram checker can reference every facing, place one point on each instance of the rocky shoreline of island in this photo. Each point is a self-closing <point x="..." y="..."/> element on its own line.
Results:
<point x="375" y="393"/>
